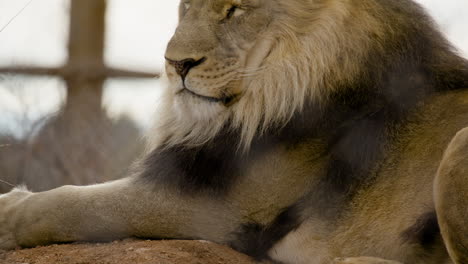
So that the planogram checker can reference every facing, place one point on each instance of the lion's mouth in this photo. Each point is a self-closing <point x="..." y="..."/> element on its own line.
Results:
<point x="226" y="100"/>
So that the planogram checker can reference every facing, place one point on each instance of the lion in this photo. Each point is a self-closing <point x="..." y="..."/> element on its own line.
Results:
<point x="298" y="131"/>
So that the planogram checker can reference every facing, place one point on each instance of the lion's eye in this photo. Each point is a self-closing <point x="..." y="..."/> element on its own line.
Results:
<point x="234" y="11"/>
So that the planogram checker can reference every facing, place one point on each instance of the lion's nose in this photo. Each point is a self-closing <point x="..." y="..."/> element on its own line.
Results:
<point x="183" y="67"/>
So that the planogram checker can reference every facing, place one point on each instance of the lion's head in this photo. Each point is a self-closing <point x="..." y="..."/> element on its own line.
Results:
<point x="251" y="64"/>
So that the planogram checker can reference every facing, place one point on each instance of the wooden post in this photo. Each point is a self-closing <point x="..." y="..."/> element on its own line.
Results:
<point x="86" y="53"/>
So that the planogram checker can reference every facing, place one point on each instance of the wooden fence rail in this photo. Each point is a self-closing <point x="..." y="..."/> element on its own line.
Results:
<point x="85" y="68"/>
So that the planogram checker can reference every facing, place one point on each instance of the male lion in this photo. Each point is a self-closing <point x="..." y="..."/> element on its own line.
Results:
<point x="296" y="131"/>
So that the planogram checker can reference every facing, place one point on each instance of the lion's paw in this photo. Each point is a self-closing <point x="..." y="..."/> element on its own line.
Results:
<point x="8" y="205"/>
<point x="364" y="260"/>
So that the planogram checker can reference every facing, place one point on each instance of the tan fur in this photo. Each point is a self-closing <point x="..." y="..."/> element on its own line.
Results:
<point x="451" y="195"/>
<point x="290" y="53"/>
<point x="403" y="192"/>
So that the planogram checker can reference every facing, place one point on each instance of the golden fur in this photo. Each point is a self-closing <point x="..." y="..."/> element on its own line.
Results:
<point x="299" y="131"/>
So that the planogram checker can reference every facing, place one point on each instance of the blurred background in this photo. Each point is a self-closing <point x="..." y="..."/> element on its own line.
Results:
<point x="78" y="84"/>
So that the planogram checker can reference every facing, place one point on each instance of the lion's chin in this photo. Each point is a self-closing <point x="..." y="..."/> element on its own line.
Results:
<point x="195" y="108"/>
<point x="226" y="100"/>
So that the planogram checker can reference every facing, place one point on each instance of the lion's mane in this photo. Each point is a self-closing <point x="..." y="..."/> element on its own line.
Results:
<point x="319" y="49"/>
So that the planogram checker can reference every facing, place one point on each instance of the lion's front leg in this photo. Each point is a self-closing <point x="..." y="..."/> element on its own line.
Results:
<point x="107" y="211"/>
<point x="8" y="207"/>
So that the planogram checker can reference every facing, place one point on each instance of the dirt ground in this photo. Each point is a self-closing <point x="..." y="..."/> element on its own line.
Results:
<point x="128" y="252"/>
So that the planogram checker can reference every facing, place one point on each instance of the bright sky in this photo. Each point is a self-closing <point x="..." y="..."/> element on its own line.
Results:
<point x="137" y="34"/>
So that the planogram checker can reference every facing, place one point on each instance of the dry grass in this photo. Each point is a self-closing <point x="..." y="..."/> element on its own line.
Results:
<point x="78" y="147"/>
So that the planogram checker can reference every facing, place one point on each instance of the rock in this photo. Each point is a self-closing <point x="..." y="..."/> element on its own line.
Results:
<point x="128" y="252"/>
